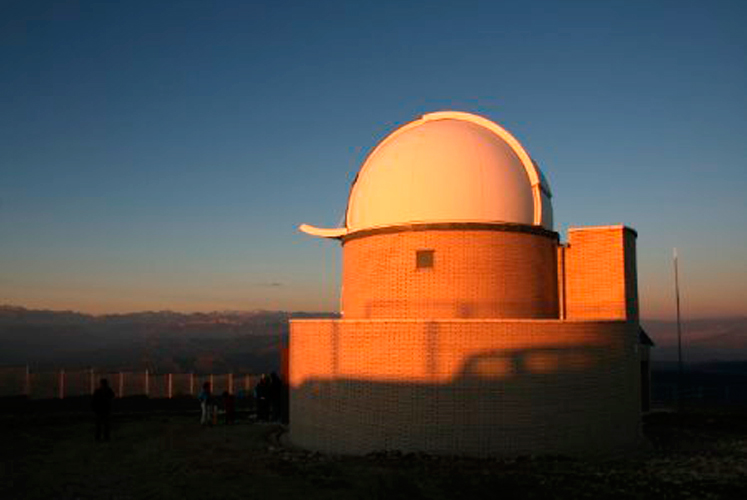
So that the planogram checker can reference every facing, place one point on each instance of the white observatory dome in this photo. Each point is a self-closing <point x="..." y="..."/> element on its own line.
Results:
<point x="446" y="167"/>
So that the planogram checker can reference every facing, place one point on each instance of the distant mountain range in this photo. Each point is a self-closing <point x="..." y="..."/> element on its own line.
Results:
<point x="14" y="314"/>
<point x="248" y="341"/>
<point x="163" y="341"/>
<point x="703" y="340"/>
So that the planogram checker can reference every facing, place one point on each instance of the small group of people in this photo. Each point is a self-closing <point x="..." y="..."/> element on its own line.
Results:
<point x="270" y="397"/>
<point x="209" y="406"/>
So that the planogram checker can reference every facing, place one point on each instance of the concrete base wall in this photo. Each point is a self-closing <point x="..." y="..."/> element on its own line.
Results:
<point x="471" y="387"/>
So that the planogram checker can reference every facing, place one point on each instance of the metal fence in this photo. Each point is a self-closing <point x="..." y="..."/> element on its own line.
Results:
<point x="20" y="381"/>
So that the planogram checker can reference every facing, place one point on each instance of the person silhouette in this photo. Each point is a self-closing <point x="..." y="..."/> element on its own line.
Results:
<point x="276" y="397"/>
<point x="263" y="395"/>
<point x="229" y="407"/>
<point x="206" y="403"/>
<point x="102" y="407"/>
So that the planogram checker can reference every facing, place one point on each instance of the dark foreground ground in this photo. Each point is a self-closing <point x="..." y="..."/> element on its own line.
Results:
<point x="699" y="455"/>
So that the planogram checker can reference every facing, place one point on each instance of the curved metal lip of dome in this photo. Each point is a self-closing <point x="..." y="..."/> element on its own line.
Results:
<point x="537" y="180"/>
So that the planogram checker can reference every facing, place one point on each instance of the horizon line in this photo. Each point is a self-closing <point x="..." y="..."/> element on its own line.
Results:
<point x="290" y="311"/>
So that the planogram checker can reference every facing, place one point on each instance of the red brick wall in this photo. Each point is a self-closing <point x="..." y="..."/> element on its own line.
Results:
<point x="475" y="274"/>
<point x="600" y="273"/>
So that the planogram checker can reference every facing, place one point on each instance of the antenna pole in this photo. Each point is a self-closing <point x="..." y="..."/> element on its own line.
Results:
<point x="679" y="326"/>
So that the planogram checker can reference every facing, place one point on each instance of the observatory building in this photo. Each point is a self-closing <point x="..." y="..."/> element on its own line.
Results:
<point x="466" y="326"/>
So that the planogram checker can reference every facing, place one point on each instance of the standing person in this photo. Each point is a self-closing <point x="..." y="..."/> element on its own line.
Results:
<point x="284" y="396"/>
<point x="205" y="398"/>
<point x="229" y="406"/>
<point x="214" y="409"/>
<point x="262" y="393"/>
<point x="276" y="396"/>
<point x="102" y="407"/>
<point x="241" y="399"/>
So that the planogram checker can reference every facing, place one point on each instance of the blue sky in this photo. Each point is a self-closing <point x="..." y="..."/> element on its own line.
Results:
<point x="160" y="155"/>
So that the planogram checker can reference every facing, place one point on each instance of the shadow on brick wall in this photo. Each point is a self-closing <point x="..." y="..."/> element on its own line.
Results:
<point x="558" y="400"/>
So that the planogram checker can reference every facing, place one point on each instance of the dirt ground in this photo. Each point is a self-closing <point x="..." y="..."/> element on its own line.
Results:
<point x="698" y="455"/>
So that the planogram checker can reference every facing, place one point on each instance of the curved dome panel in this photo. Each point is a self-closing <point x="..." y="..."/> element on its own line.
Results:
<point x="441" y="171"/>
<point x="446" y="167"/>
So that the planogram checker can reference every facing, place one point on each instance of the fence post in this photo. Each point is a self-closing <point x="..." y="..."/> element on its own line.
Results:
<point x="27" y="383"/>
<point x="230" y="383"/>
<point x="192" y="384"/>
<point x="121" y="384"/>
<point x="171" y="385"/>
<point x="147" y="383"/>
<point x="62" y="384"/>
<point x="90" y="380"/>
